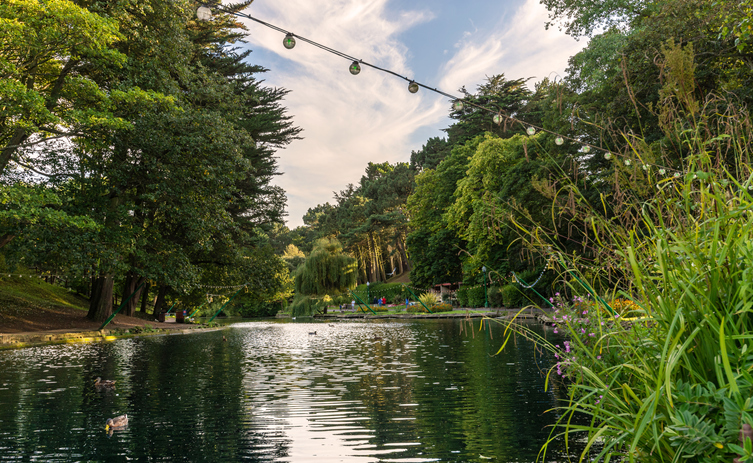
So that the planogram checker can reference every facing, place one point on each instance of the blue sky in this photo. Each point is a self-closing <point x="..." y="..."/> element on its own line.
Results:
<point x="350" y="120"/>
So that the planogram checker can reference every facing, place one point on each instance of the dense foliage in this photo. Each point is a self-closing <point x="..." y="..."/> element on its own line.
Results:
<point x="162" y="178"/>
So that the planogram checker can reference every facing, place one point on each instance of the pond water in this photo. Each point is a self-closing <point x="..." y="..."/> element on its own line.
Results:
<point x="409" y="391"/>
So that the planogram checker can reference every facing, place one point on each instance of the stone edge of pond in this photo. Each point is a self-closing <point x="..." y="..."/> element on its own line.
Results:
<point x="501" y="314"/>
<point x="19" y="341"/>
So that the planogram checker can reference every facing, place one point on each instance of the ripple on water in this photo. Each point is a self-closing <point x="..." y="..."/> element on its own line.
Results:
<point x="273" y="392"/>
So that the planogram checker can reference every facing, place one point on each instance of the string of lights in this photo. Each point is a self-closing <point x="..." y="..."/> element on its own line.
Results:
<point x="222" y="287"/>
<point x="204" y="13"/>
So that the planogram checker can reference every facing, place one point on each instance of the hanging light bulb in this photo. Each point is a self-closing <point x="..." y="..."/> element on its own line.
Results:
<point x="457" y="105"/>
<point x="412" y="87"/>
<point x="204" y="13"/>
<point x="627" y="162"/>
<point x="586" y="149"/>
<point x="645" y="166"/>
<point x="497" y="119"/>
<point x="662" y="171"/>
<point x="530" y="131"/>
<point x="355" y="68"/>
<point x="289" y="41"/>
<point x="607" y="156"/>
<point x="677" y="175"/>
<point x="559" y="140"/>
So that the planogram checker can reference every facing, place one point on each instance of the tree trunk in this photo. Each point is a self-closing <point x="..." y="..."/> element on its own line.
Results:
<point x="160" y="302"/>
<point x="131" y="283"/>
<point x="145" y="297"/>
<point x="5" y="239"/>
<point x="19" y="135"/>
<point x="100" y="304"/>
<point x="403" y="254"/>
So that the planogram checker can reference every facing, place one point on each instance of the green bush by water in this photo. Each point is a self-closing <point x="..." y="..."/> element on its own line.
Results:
<point x="671" y="378"/>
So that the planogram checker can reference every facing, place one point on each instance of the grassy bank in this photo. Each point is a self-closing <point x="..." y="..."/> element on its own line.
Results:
<point x="21" y="294"/>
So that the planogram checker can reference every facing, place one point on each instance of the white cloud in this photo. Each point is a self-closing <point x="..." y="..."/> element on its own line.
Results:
<point x="351" y="120"/>
<point x="519" y="48"/>
<point x="347" y="120"/>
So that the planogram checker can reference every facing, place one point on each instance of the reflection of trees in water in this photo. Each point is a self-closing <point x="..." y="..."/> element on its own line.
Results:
<point x="184" y="397"/>
<point x="197" y="395"/>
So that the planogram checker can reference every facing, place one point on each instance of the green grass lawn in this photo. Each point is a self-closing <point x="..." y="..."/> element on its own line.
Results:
<point x="30" y="291"/>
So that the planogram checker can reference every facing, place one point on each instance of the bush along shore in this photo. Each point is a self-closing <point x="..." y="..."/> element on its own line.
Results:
<point x="657" y="316"/>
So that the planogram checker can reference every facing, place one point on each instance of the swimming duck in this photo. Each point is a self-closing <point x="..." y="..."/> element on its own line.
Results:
<point x="106" y="384"/>
<point x="118" y="422"/>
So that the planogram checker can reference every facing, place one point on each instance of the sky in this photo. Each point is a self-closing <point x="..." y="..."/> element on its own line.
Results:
<point x="349" y="121"/>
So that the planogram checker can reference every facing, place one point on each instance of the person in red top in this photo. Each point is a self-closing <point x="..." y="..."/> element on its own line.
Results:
<point x="384" y="300"/>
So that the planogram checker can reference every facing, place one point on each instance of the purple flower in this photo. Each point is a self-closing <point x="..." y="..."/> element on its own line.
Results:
<point x="556" y="294"/>
<point x="616" y="315"/>
<point x="555" y="331"/>
<point x="591" y="334"/>
<point x="583" y="331"/>
<point x="585" y="312"/>
<point x="551" y="299"/>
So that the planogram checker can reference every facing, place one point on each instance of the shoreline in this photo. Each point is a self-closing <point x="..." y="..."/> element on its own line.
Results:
<point x="48" y="338"/>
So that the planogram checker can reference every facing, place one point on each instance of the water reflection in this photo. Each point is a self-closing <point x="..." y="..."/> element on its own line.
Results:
<point x="357" y="391"/>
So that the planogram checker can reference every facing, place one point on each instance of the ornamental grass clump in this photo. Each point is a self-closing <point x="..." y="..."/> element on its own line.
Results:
<point x="665" y="372"/>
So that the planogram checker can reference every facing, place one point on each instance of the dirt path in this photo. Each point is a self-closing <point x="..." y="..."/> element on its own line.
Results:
<point x="57" y="318"/>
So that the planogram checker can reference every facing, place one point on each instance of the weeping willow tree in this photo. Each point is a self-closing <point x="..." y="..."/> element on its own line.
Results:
<point x="327" y="271"/>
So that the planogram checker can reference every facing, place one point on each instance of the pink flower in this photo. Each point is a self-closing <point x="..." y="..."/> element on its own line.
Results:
<point x="555" y="331"/>
<point x="598" y="357"/>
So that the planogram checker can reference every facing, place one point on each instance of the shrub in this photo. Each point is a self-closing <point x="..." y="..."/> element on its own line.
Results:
<point x="495" y="296"/>
<point x="476" y="296"/>
<point x="462" y="297"/>
<point x="256" y="309"/>
<point x="306" y="306"/>
<point x="511" y="295"/>
<point x="375" y="308"/>
<point x="441" y="308"/>
<point x="429" y="299"/>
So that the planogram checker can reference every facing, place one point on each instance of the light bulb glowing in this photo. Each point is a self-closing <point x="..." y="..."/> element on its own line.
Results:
<point x="204" y="13"/>
<point x="645" y="166"/>
<point x="586" y="149"/>
<point x="662" y="171"/>
<point x="530" y="131"/>
<point x="607" y="156"/>
<point x="627" y="162"/>
<point x="412" y="87"/>
<point x="677" y="175"/>
<point x="497" y="119"/>
<point x="289" y="41"/>
<point x="458" y="105"/>
<point x="355" y="68"/>
<point x="559" y="140"/>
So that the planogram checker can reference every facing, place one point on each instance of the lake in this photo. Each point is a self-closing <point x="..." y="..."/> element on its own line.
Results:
<point x="356" y="391"/>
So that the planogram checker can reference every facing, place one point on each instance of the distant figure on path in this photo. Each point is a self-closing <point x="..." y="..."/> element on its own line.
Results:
<point x="353" y="304"/>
